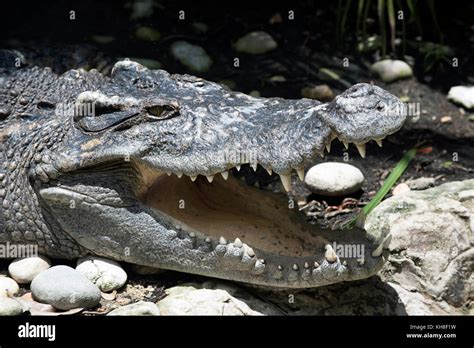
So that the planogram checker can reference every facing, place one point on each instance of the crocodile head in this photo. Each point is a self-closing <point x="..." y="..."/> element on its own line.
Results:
<point x="148" y="177"/>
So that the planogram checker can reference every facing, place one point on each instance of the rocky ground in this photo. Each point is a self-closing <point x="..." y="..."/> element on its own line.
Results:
<point x="430" y="216"/>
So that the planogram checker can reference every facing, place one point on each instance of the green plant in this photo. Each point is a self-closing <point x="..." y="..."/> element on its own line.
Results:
<point x="399" y="169"/>
<point x="387" y="13"/>
<point x="435" y="55"/>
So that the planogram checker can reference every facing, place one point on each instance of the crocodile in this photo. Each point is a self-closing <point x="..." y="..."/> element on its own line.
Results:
<point x="140" y="167"/>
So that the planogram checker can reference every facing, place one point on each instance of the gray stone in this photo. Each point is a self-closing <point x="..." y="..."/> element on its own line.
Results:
<point x="10" y="307"/>
<point x="24" y="270"/>
<point x="140" y="308"/>
<point x="8" y="287"/>
<point x="65" y="288"/>
<point x="257" y="42"/>
<point x="421" y="183"/>
<point x="108" y="275"/>
<point x="147" y="34"/>
<point x="192" y="56"/>
<point x="462" y="95"/>
<point x="191" y="299"/>
<point x="334" y="179"/>
<point x="322" y="93"/>
<point x="391" y="70"/>
<point x="141" y="9"/>
<point x="431" y="247"/>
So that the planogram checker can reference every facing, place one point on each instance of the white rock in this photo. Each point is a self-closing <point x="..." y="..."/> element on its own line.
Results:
<point x="24" y="270"/>
<point x="108" y="275"/>
<point x="257" y="42"/>
<point x="401" y="189"/>
<point x="334" y="179"/>
<point x="391" y="70"/>
<point x="10" y="307"/>
<point x="192" y="56"/>
<point x="462" y="95"/>
<point x="8" y="287"/>
<point x="188" y="300"/>
<point x="140" y="308"/>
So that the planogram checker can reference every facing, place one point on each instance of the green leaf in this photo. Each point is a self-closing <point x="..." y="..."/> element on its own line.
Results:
<point x="399" y="169"/>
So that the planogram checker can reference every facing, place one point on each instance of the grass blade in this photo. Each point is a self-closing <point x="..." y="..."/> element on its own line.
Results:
<point x="391" y="22"/>
<point x="386" y="187"/>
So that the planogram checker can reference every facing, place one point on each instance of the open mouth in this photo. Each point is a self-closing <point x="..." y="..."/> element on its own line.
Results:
<point x="229" y="210"/>
<point x="257" y="230"/>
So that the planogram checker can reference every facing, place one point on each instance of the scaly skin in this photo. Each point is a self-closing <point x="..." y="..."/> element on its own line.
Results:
<point x="77" y="184"/>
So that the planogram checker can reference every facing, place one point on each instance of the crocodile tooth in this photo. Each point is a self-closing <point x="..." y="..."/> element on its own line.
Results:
<point x="384" y="245"/>
<point x="328" y="147"/>
<point x="330" y="254"/>
<point x="208" y="240"/>
<point x="269" y="171"/>
<point x="250" y="252"/>
<point x="378" y="251"/>
<point x="346" y="144"/>
<point x="286" y="181"/>
<point x="192" y="235"/>
<point x="193" y="177"/>
<point x="225" y="175"/>
<point x="300" y="172"/>
<point x="316" y="264"/>
<point x="238" y="168"/>
<point x="295" y="267"/>
<point x="379" y="142"/>
<point x="306" y="265"/>
<point x="222" y="240"/>
<point x="259" y="267"/>
<point x="238" y="243"/>
<point x="210" y="178"/>
<point x="254" y="166"/>
<point x="168" y="173"/>
<point x="361" y="149"/>
<point x="256" y="184"/>
<point x="179" y="175"/>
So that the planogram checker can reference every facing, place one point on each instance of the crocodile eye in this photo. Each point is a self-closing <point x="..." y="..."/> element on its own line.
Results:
<point x="380" y="107"/>
<point x="161" y="112"/>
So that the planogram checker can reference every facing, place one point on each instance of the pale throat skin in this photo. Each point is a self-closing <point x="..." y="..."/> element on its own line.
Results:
<point x="95" y="181"/>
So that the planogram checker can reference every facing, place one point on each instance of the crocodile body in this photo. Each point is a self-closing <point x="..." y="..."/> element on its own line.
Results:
<point x="123" y="167"/>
